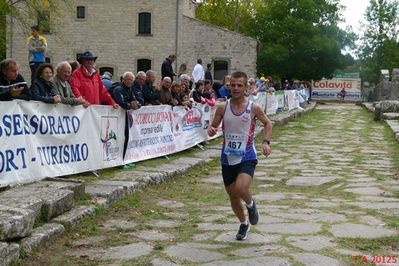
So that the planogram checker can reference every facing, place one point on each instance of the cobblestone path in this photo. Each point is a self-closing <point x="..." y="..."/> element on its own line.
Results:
<point x="328" y="195"/>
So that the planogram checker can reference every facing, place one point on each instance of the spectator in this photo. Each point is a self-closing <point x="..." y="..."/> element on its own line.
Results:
<point x="198" y="92"/>
<point x="86" y="82"/>
<point x="107" y="80"/>
<point x="37" y="46"/>
<point x="198" y="72"/>
<point x="42" y="88"/>
<point x="138" y="87"/>
<point x="184" y="88"/>
<point x="165" y="93"/>
<point x="208" y="72"/>
<point x="150" y="92"/>
<point x="166" y="68"/>
<point x="342" y="95"/>
<point x="185" y="101"/>
<point x="224" y="91"/>
<point x="260" y="84"/>
<point x="253" y="90"/>
<point x="216" y="87"/>
<point x="208" y="89"/>
<point x="62" y="86"/>
<point x="123" y="94"/>
<point x="176" y="91"/>
<point x="9" y="75"/>
<point x="209" y="94"/>
<point x="295" y="85"/>
<point x="74" y="64"/>
<point x="182" y="70"/>
<point x="185" y="80"/>
<point x="286" y="85"/>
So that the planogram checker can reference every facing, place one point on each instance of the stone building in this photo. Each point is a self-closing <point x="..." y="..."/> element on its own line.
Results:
<point x="137" y="35"/>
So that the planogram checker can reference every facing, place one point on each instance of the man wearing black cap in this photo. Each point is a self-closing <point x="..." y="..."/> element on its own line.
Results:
<point x="86" y="82"/>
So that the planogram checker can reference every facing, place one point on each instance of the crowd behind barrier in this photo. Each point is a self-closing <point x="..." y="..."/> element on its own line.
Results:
<point x="62" y="128"/>
<point x="41" y="140"/>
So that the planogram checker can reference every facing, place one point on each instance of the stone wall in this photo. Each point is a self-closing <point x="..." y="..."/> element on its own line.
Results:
<point x="110" y="30"/>
<point x="386" y="89"/>
<point x="205" y="41"/>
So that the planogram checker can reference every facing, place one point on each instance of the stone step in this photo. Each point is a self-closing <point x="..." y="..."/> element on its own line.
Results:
<point x="15" y="222"/>
<point x="390" y="116"/>
<point x="73" y="217"/>
<point x="41" y="237"/>
<point x="8" y="253"/>
<point x="111" y="193"/>
<point x="54" y="201"/>
<point x="77" y="186"/>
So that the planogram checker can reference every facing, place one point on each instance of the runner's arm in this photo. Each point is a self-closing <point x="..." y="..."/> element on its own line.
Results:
<point x="267" y="128"/>
<point x="212" y="130"/>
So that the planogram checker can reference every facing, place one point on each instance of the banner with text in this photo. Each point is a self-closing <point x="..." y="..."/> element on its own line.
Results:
<point x="44" y="140"/>
<point x="329" y="89"/>
<point x="161" y="130"/>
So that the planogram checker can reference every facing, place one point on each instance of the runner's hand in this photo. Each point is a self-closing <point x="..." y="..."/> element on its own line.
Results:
<point x="212" y="131"/>
<point x="266" y="149"/>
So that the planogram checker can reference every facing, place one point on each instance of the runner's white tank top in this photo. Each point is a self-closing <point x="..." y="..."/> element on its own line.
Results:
<point x="238" y="129"/>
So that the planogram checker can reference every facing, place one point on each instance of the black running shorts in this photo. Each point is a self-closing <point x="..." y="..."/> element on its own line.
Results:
<point x="230" y="172"/>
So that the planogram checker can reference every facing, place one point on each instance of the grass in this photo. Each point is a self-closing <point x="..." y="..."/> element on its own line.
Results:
<point x="202" y="199"/>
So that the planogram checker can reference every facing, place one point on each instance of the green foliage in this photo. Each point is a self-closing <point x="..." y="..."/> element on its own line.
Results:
<point x="379" y="48"/>
<point x="298" y="39"/>
<point x="234" y="15"/>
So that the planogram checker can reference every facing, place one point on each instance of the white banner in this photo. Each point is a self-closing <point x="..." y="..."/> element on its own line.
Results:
<point x="280" y="99"/>
<point x="328" y="89"/>
<point x="290" y="99"/>
<point x="272" y="104"/>
<point x="259" y="99"/>
<point x="40" y="140"/>
<point x="160" y="130"/>
<point x="150" y="133"/>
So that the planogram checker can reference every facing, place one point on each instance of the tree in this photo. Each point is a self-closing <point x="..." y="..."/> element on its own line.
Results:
<point x="26" y="13"/>
<point x="298" y="39"/>
<point x="379" y="49"/>
<point x="233" y="15"/>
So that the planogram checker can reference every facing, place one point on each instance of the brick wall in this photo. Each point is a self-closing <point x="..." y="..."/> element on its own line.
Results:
<point x="110" y="31"/>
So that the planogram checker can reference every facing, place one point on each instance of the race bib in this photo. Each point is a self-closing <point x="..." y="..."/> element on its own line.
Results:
<point x="235" y="145"/>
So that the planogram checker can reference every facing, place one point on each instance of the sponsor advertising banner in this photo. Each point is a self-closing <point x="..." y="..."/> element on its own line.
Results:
<point x="160" y="130"/>
<point x="260" y="99"/>
<point x="40" y="140"/>
<point x="150" y="133"/>
<point x="272" y="104"/>
<point x="290" y="99"/>
<point x="329" y="89"/>
<point x="280" y="99"/>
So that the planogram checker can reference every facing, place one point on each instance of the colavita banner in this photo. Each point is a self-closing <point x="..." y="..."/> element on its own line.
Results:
<point x="329" y="89"/>
<point x="40" y="140"/>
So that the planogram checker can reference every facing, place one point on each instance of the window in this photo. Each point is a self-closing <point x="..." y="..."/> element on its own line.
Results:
<point x="143" y="65"/>
<point x="43" y="21"/>
<point x="106" y="69"/>
<point x="221" y="69"/>
<point x="80" y="12"/>
<point x="144" y="23"/>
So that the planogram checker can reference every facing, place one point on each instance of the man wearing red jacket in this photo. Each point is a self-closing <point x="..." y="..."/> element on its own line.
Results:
<point x="86" y="82"/>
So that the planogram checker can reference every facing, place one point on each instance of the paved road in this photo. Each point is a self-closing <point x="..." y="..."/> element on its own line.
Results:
<point x="328" y="195"/>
